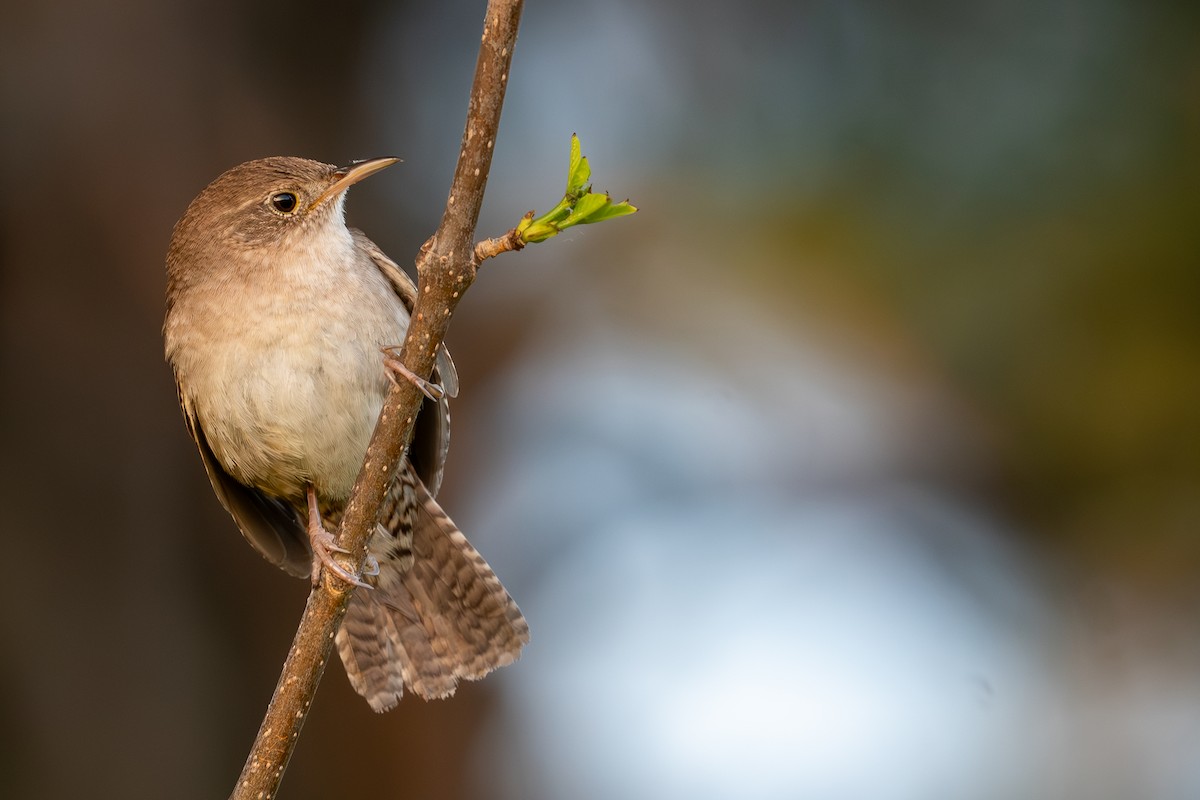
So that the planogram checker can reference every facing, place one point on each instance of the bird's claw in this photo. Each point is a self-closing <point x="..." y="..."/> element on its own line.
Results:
<point x="324" y="545"/>
<point x="391" y="360"/>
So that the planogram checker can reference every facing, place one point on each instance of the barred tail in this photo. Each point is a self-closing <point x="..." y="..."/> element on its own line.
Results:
<point x="438" y="613"/>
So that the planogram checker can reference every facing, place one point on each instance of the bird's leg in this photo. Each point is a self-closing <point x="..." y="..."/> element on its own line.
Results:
<point x="391" y="360"/>
<point x="324" y="546"/>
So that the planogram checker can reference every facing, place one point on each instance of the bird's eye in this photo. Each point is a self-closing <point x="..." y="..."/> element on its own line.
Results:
<point x="284" y="202"/>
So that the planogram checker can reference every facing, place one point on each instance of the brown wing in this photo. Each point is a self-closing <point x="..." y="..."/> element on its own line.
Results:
<point x="431" y="438"/>
<point x="268" y="524"/>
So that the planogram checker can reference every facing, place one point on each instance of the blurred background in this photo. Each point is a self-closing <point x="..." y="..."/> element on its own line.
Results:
<point x="862" y="463"/>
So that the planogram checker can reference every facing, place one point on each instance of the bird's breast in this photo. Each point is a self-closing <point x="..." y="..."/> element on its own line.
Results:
<point x="289" y="393"/>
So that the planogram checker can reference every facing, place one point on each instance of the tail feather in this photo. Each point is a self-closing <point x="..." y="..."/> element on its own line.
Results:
<point x="437" y="614"/>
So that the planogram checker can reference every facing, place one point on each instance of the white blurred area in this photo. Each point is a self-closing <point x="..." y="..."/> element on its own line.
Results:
<point x="739" y="589"/>
<point x="748" y="578"/>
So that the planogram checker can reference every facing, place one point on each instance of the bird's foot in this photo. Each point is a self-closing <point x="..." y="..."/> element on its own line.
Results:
<point x="324" y="545"/>
<point x="391" y="360"/>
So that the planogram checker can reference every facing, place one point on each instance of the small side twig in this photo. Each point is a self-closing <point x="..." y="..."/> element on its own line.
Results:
<point x="446" y="267"/>
<point x="490" y="248"/>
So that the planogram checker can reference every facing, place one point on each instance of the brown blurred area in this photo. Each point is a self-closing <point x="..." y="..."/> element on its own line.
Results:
<point x="141" y="642"/>
<point x="998" y="202"/>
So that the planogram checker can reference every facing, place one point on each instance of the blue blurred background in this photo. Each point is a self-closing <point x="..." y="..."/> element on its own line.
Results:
<point x="862" y="464"/>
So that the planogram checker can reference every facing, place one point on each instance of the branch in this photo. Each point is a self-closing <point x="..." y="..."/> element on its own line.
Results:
<point x="446" y="268"/>
<point x="490" y="248"/>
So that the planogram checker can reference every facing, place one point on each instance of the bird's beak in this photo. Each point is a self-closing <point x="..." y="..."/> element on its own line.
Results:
<point x="344" y="178"/>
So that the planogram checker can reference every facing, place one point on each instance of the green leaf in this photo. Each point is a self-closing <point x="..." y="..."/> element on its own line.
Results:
<point x="579" y="205"/>
<point x="539" y="232"/>
<point x="586" y="206"/>
<point x="578" y="170"/>
<point x="611" y="211"/>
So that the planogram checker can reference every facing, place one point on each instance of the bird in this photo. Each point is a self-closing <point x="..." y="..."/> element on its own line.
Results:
<point x="280" y="330"/>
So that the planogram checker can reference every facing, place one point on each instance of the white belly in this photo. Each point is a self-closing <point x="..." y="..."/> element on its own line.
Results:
<point x="288" y="396"/>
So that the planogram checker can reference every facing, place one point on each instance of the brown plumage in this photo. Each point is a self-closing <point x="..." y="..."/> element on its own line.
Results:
<point x="439" y="613"/>
<point x="276" y="312"/>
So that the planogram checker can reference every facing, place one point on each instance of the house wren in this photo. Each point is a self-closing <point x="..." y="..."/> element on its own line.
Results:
<point x="277" y="314"/>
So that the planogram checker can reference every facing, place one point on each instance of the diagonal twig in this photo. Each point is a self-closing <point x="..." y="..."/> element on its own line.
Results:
<point x="446" y="267"/>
